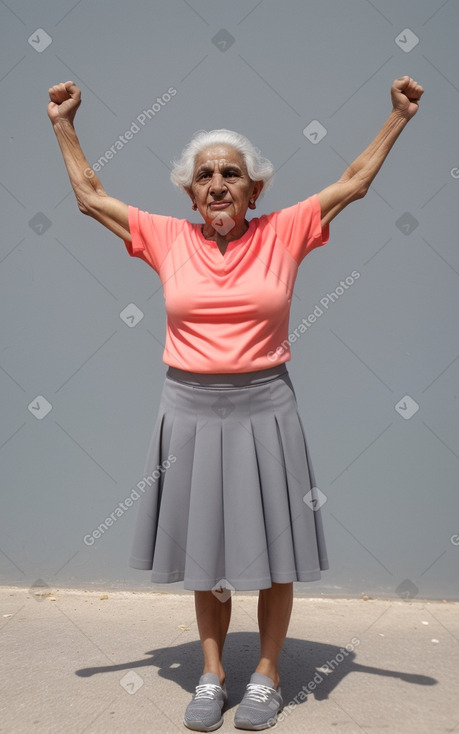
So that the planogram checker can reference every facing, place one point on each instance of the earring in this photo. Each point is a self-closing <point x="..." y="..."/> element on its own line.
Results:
<point x="252" y="204"/>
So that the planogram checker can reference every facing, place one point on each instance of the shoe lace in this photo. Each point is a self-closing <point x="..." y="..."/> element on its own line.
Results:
<point x="206" y="690"/>
<point x="258" y="692"/>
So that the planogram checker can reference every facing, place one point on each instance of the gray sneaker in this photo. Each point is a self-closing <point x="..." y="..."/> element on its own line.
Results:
<point x="204" y="712"/>
<point x="260" y="705"/>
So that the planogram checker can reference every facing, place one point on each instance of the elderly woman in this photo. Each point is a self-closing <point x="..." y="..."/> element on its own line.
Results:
<point x="229" y="499"/>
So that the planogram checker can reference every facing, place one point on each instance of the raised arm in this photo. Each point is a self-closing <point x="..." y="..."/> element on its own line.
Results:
<point x="91" y="196"/>
<point x="357" y="178"/>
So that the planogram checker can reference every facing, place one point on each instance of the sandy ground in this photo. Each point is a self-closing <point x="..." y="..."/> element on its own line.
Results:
<point x="105" y="662"/>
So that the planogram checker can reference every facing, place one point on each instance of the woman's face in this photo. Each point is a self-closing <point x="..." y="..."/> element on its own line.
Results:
<point x="221" y="185"/>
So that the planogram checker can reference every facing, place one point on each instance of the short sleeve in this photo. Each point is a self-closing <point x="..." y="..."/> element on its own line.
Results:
<point x="152" y="235"/>
<point x="299" y="227"/>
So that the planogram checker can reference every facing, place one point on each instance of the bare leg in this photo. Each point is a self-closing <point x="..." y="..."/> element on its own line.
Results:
<point x="274" y="610"/>
<point x="213" y="618"/>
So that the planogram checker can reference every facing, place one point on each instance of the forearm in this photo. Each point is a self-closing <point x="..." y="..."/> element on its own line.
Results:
<point x="83" y="179"/>
<point x="364" y="168"/>
<point x="357" y="178"/>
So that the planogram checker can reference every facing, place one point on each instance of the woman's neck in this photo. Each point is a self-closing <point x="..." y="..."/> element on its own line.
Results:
<point x="210" y="232"/>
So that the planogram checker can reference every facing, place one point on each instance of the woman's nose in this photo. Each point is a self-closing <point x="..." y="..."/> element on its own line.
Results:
<point x="217" y="183"/>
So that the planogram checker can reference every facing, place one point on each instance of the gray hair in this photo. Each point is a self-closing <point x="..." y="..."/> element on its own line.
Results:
<point x="258" y="168"/>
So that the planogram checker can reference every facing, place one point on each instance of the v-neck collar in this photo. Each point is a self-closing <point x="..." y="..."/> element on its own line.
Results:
<point x="214" y="248"/>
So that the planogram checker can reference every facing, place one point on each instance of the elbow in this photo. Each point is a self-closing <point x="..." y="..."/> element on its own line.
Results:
<point x="88" y="196"/>
<point x="354" y="189"/>
<point x="86" y="202"/>
<point x="357" y="186"/>
<point x="83" y="207"/>
<point x="83" y="197"/>
<point x="360" y="190"/>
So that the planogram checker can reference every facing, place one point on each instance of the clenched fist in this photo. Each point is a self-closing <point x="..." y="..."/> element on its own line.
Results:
<point x="65" y="100"/>
<point x="405" y="94"/>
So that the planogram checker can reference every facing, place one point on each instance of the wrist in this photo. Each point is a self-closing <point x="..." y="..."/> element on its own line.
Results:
<point x="62" y="124"/>
<point x="399" y="117"/>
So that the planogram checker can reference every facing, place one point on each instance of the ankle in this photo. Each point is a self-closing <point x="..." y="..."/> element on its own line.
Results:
<point x="270" y="672"/>
<point x="217" y="670"/>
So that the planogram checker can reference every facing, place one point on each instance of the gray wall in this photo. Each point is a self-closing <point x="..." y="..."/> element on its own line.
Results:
<point x="267" y="69"/>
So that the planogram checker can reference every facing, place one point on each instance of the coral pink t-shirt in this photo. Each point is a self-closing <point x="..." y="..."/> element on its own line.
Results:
<point x="227" y="313"/>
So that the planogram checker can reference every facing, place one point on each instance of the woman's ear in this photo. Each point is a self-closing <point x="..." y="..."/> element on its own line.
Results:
<point x="256" y="191"/>
<point x="190" y="194"/>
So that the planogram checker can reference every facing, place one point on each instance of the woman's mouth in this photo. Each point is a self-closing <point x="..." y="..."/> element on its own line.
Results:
<point x="217" y="205"/>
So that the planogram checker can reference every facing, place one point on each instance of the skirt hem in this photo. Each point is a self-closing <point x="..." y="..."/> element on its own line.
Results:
<point x="237" y="584"/>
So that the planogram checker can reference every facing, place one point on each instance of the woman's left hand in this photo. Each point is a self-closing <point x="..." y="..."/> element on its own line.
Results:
<point x="405" y="94"/>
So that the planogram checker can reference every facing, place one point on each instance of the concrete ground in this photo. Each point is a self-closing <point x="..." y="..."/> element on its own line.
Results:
<point x="106" y="662"/>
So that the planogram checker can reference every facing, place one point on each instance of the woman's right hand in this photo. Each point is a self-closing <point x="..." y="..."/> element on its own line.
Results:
<point x="65" y="98"/>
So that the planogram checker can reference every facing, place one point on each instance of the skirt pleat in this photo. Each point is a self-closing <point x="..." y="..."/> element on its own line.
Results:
<point x="222" y="501"/>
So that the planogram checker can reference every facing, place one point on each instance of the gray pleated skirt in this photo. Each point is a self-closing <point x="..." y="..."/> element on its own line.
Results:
<point x="229" y="496"/>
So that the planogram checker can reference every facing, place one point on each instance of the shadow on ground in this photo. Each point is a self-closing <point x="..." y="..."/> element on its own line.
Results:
<point x="304" y="666"/>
